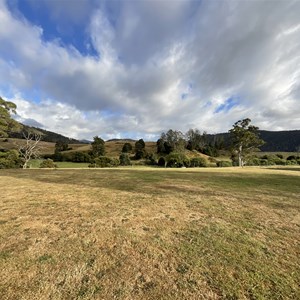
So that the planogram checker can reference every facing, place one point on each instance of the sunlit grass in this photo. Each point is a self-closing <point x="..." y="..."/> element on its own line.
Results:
<point x="141" y="233"/>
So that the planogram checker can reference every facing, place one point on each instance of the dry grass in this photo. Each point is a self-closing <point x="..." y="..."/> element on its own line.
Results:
<point x="150" y="234"/>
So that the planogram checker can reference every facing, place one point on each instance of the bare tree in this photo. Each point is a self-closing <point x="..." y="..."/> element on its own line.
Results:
<point x="31" y="148"/>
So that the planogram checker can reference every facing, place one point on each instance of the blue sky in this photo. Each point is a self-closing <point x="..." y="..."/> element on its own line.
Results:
<point x="137" y="68"/>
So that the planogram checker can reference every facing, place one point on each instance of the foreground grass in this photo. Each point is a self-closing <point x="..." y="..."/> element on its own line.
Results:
<point x="150" y="234"/>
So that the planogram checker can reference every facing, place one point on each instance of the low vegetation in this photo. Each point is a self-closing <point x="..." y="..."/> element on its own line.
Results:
<point x="140" y="233"/>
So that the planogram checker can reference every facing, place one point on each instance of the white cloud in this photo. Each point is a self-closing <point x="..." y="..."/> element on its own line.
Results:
<point x="150" y="53"/>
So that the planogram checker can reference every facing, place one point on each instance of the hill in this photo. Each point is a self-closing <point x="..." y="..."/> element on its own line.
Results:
<point x="275" y="141"/>
<point x="47" y="136"/>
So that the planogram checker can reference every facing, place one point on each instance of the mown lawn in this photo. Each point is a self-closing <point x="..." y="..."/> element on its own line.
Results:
<point x="141" y="233"/>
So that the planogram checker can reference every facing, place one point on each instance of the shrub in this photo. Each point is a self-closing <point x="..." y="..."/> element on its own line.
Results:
<point x="127" y="147"/>
<point x="279" y="156"/>
<point x="124" y="159"/>
<point x="80" y="157"/>
<point x="161" y="162"/>
<point x="198" y="162"/>
<point x="253" y="161"/>
<point x="48" y="163"/>
<point x="151" y="159"/>
<point x="292" y="157"/>
<point x="291" y="162"/>
<point x="104" y="162"/>
<point x="177" y="160"/>
<point x="224" y="163"/>
<point x="10" y="159"/>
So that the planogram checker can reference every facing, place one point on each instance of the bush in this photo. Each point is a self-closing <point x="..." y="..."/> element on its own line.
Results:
<point x="292" y="157"/>
<point x="151" y="159"/>
<point x="198" y="162"/>
<point x="104" y="162"/>
<point x="177" y="160"/>
<point x="124" y="160"/>
<point x="224" y="163"/>
<point x="127" y="147"/>
<point x="10" y="159"/>
<point x="279" y="156"/>
<point x="80" y="157"/>
<point x="253" y="161"/>
<point x="291" y="162"/>
<point x="161" y="162"/>
<point x="48" y="163"/>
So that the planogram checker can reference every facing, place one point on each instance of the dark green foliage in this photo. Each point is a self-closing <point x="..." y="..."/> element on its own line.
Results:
<point x="244" y="139"/>
<point x="171" y="141"/>
<point x="160" y="145"/>
<point x="198" y="162"/>
<point x="292" y="157"/>
<point x="279" y="155"/>
<point x="151" y="159"/>
<point x="196" y="140"/>
<point x="161" y="162"/>
<point x="104" y="162"/>
<point x="139" y="145"/>
<point x="124" y="159"/>
<point x="177" y="160"/>
<point x="127" y="147"/>
<point x="98" y="147"/>
<point x="10" y="159"/>
<point x="210" y="150"/>
<point x="224" y="163"/>
<point x="7" y="124"/>
<point x="140" y="149"/>
<point x="48" y="163"/>
<point x="80" y="157"/>
<point x="61" y="146"/>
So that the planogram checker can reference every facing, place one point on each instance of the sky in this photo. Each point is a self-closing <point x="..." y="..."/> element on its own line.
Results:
<point x="134" y="69"/>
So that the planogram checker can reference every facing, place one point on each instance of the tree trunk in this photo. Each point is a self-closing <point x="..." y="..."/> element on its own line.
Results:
<point x="241" y="164"/>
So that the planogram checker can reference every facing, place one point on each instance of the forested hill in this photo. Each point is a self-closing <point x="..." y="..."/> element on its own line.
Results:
<point x="47" y="136"/>
<point x="275" y="141"/>
<point x="288" y="141"/>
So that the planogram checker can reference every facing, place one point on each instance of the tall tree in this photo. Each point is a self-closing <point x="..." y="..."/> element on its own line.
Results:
<point x="98" y="147"/>
<point x="139" y="148"/>
<point x="196" y="140"/>
<point x="7" y="124"/>
<point x="171" y="141"/>
<point x="244" y="139"/>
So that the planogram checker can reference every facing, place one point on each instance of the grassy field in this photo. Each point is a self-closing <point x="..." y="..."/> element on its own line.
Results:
<point x="150" y="234"/>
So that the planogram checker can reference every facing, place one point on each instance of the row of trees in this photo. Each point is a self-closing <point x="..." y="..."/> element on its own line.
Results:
<point x="244" y="140"/>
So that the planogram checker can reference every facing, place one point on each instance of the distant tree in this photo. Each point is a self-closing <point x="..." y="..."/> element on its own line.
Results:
<point x="196" y="140"/>
<point x="30" y="149"/>
<point x="60" y="146"/>
<point x="7" y="124"/>
<point x="124" y="159"/>
<point x="160" y="146"/>
<point x="98" y="147"/>
<point x="171" y="141"/>
<point x="161" y="162"/>
<point x="244" y="139"/>
<point x="139" y="148"/>
<point x="127" y="147"/>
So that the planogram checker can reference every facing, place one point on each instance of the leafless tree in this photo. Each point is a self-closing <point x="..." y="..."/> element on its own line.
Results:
<point x="31" y="147"/>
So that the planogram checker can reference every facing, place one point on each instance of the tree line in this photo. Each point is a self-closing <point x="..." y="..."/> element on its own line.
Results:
<point x="170" y="147"/>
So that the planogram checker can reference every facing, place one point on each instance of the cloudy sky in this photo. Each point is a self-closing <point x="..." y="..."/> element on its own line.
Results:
<point x="136" y="68"/>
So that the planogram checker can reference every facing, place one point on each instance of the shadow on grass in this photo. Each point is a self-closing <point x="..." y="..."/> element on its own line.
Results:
<point x="165" y="182"/>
